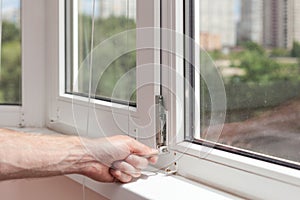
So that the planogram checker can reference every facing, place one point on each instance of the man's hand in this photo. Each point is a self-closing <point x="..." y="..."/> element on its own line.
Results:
<point x="117" y="158"/>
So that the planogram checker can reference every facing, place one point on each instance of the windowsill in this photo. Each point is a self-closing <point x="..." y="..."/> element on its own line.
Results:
<point x="156" y="186"/>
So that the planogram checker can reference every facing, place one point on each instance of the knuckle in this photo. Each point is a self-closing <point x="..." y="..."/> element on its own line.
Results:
<point x="137" y="161"/>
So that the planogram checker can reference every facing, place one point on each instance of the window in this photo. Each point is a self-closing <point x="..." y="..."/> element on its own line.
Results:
<point x="261" y="79"/>
<point x="218" y="94"/>
<point x="113" y="20"/>
<point x="10" y="62"/>
<point x="23" y="65"/>
<point x="115" y="94"/>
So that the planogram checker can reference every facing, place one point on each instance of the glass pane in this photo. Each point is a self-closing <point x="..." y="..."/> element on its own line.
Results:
<point x="255" y="44"/>
<point x="112" y="18"/>
<point x="10" y="66"/>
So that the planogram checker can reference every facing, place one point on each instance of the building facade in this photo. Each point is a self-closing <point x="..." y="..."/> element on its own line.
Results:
<point x="117" y="8"/>
<point x="279" y="23"/>
<point x="251" y="23"/>
<point x="297" y="20"/>
<point x="210" y="42"/>
<point x="273" y="23"/>
<point x="217" y="19"/>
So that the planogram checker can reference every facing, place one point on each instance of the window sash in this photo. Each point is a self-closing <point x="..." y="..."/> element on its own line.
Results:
<point x="221" y="169"/>
<point x="32" y="111"/>
<point x="192" y="120"/>
<point x="121" y="119"/>
<point x="72" y="63"/>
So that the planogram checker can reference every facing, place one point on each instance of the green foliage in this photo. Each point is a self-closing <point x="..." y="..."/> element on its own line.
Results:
<point x="10" y="76"/>
<point x="262" y="84"/>
<point x="11" y="73"/>
<point x="254" y="47"/>
<point x="105" y="29"/>
<point x="296" y="50"/>
<point x="279" y="52"/>
<point x="261" y="69"/>
<point x="10" y="32"/>
<point x="216" y="55"/>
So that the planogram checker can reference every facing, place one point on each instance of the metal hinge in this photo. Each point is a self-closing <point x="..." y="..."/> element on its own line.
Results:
<point x="22" y="120"/>
<point x="161" y="135"/>
<point x="161" y="125"/>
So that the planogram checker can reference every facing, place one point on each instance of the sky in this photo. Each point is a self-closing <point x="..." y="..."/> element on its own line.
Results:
<point x="10" y="4"/>
<point x="237" y="9"/>
<point x="87" y="6"/>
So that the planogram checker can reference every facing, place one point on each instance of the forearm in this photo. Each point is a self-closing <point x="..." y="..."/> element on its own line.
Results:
<point x="103" y="159"/>
<point x="32" y="155"/>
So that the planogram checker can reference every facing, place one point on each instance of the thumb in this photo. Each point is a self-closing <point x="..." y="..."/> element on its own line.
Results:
<point x="141" y="149"/>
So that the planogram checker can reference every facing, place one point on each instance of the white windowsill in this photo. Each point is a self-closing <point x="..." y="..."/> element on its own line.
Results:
<point x="157" y="186"/>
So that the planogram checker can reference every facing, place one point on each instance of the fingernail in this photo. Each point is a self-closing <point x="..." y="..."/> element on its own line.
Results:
<point x="118" y="173"/>
<point x="153" y="160"/>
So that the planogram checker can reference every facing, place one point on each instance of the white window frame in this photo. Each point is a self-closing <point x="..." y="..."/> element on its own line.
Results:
<point x="32" y="111"/>
<point x="240" y="175"/>
<point x="60" y="114"/>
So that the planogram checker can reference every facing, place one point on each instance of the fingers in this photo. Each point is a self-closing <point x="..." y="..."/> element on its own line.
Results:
<point x="153" y="160"/>
<point x="131" y="167"/>
<point x="137" y="161"/>
<point x="141" y="149"/>
<point x="97" y="172"/>
<point x="120" y="176"/>
<point x="141" y="162"/>
<point x="126" y="168"/>
<point x="129" y="157"/>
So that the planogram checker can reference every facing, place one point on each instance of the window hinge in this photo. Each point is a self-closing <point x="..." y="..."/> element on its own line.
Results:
<point x="57" y="116"/>
<point x="161" y="125"/>
<point x="172" y="168"/>
<point x="22" y="120"/>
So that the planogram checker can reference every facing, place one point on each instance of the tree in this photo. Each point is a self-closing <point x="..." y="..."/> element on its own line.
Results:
<point x="254" y="47"/>
<point x="280" y="52"/>
<point x="104" y="29"/>
<point x="10" y="79"/>
<point x="10" y="32"/>
<point x="257" y="65"/>
<point x="296" y="50"/>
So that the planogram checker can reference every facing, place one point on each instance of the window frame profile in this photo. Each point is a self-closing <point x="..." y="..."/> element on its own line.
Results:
<point x="32" y="109"/>
<point x="194" y="81"/>
<point x="237" y="174"/>
<point x="61" y="105"/>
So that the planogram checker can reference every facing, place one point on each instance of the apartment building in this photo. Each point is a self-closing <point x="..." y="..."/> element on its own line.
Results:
<point x="251" y="23"/>
<point x="280" y="25"/>
<point x="117" y="8"/>
<point x="217" y="18"/>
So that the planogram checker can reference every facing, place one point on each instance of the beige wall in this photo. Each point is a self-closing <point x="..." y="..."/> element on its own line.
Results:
<point x="56" y="188"/>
